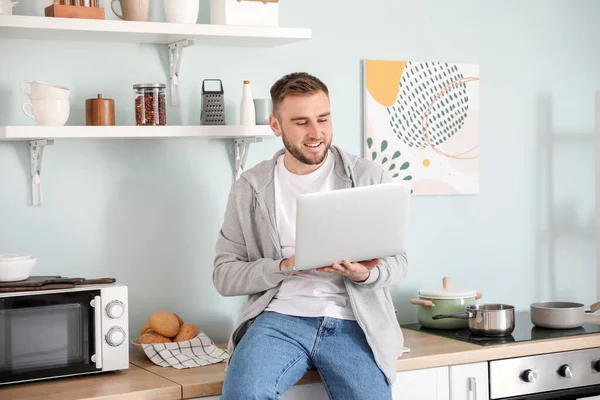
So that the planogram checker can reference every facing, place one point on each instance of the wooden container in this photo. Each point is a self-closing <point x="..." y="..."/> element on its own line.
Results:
<point x="99" y="111"/>
<point x="63" y="11"/>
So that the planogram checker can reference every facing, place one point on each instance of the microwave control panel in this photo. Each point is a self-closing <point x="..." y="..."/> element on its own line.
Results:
<point x="115" y="328"/>
<point x="115" y="309"/>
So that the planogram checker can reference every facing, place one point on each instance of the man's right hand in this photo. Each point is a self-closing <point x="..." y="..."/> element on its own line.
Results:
<point x="287" y="263"/>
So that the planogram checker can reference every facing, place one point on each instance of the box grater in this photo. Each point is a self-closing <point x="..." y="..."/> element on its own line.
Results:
<point x="213" y="105"/>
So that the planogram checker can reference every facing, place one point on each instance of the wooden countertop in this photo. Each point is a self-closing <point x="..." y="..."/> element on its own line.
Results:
<point x="194" y="382"/>
<point x="145" y="380"/>
<point x="428" y="351"/>
<point x="130" y="384"/>
<point x="200" y="381"/>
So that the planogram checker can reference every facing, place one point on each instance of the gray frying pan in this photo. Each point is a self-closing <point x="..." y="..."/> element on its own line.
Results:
<point x="559" y="314"/>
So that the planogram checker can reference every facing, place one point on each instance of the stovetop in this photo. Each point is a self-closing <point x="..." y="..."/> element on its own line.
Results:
<point x="524" y="331"/>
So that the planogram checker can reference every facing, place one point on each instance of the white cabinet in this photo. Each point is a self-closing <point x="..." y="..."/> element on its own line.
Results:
<point x="469" y="382"/>
<point x="206" y="398"/>
<point x="457" y="382"/>
<point x="422" y="384"/>
<point x="313" y="391"/>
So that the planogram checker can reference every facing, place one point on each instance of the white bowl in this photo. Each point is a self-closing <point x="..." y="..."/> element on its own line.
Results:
<point x="13" y="257"/>
<point x="14" y="271"/>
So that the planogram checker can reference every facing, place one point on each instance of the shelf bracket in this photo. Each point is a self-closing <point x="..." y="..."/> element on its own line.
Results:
<point x="36" y="153"/>
<point x="175" y="55"/>
<point x="242" y="145"/>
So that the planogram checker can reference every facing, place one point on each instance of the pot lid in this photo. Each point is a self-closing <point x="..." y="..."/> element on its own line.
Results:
<point x="149" y="86"/>
<point x="446" y="292"/>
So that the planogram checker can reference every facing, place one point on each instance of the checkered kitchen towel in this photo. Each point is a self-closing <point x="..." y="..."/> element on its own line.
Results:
<point x="196" y="352"/>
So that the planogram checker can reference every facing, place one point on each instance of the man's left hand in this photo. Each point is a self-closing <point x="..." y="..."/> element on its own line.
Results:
<point x="356" y="271"/>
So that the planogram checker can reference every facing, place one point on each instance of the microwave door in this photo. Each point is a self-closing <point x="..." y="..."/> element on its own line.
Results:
<point x="47" y="335"/>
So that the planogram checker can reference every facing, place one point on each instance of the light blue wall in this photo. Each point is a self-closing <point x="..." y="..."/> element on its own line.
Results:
<point x="147" y="212"/>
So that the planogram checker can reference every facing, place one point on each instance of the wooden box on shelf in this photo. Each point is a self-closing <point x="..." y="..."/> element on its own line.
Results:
<point x="63" y="11"/>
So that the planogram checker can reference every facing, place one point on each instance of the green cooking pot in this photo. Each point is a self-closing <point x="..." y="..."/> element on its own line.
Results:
<point x="444" y="301"/>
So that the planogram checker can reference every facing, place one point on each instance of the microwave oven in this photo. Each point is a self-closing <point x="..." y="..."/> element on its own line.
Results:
<point x="63" y="332"/>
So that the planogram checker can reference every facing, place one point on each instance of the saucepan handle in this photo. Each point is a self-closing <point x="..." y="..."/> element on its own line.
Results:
<point x="463" y="315"/>
<point x="420" y="302"/>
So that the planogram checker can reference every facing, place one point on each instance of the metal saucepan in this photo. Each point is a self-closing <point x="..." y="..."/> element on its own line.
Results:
<point x="443" y="301"/>
<point x="559" y="314"/>
<point x="487" y="319"/>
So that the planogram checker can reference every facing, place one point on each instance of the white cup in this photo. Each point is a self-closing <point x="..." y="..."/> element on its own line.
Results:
<point x="48" y="112"/>
<point x="263" y="109"/>
<point x="182" y="11"/>
<point x="43" y="90"/>
<point x="6" y="6"/>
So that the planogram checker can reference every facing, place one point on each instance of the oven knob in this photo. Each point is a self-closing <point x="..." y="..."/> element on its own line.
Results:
<point x="565" y="371"/>
<point x="115" y="309"/>
<point x="597" y="365"/>
<point x="529" y="376"/>
<point x="115" y="336"/>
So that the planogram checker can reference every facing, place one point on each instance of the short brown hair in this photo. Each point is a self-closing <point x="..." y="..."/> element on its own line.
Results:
<point x="294" y="84"/>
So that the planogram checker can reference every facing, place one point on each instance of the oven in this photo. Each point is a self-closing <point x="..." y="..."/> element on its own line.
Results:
<point x="567" y="375"/>
<point x="57" y="333"/>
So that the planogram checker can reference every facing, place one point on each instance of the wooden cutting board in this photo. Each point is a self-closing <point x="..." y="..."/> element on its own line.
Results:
<point x="50" y="282"/>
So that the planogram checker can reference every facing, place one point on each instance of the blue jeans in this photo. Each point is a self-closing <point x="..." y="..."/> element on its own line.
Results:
<point x="277" y="350"/>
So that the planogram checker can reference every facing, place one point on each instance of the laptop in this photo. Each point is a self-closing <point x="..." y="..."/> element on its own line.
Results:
<point x="357" y="224"/>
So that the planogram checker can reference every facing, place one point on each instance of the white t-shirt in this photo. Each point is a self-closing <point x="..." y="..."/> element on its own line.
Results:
<point x="308" y="293"/>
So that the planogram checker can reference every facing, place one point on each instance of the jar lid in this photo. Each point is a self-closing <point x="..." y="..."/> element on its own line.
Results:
<point x="99" y="96"/>
<point x="150" y="86"/>
<point x="446" y="292"/>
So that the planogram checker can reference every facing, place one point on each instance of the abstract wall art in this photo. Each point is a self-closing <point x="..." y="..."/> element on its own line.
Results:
<point x="422" y="123"/>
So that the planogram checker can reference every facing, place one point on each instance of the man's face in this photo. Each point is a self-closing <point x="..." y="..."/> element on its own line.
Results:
<point x="304" y="124"/>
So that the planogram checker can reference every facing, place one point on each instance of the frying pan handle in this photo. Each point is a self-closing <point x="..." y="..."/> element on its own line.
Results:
<point x="463" y="315"/>
<point x="595" y="307"/>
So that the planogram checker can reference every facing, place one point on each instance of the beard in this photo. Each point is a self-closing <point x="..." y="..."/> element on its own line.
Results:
<point x="297" y="152"/>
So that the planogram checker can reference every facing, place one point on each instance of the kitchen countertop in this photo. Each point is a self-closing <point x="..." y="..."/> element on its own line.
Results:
<point x="145" y="380"/>
<point x="428" y="351"/>
<point x="130" y="384"/>
<point x="201" y="381"/>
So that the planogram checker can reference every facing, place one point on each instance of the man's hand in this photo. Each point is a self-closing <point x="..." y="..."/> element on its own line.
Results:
<point x="356" y="271"/>
<point x="287" y="263"/>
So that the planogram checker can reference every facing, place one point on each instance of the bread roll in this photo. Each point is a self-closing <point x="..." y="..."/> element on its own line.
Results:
<point x="144" y="328"/>
<point x="186" y="332"/>
<point x="178" y="319"/>
<point x="164" y="323"/>
<point x="153" y="337"/>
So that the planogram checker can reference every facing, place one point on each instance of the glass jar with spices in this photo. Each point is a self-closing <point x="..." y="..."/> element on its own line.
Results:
<point x="150" y="104"/>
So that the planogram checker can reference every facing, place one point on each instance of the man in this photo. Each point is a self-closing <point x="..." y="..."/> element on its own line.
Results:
<point x="339" y="319"/>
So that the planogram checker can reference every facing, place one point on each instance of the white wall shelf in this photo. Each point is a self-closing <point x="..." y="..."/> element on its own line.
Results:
<point x="175" y="36"/>
<point x="133" y="132"/>
<point x="74" y="29"/>
<point x="41" y="136"/>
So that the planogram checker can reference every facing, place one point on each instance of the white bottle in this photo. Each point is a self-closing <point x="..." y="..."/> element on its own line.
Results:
<point x="247" y="113"/>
